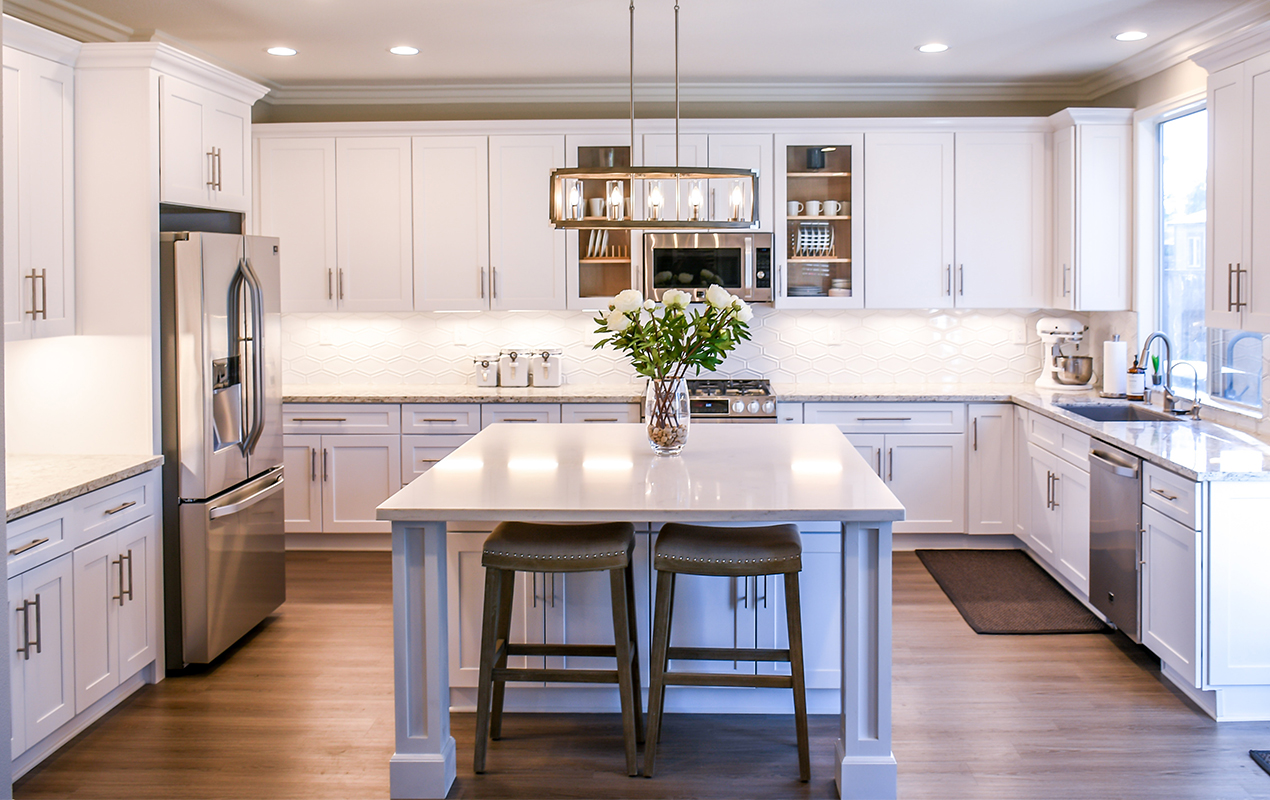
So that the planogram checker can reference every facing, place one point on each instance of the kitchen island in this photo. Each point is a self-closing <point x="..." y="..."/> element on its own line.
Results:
<point x="593" y="472"/>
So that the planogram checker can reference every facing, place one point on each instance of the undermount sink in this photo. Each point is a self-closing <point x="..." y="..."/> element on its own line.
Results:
<point x="1107" y="412"/>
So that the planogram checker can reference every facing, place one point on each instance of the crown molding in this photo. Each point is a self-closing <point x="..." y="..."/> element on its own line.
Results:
<point x="170" y="61"/>
<point x="68" y="19"/>
<point x="40" y="42"/>
<point x="1252" y="42"/>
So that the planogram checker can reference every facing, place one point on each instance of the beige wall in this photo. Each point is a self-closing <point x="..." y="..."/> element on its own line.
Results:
<point x="1175" y="81"/>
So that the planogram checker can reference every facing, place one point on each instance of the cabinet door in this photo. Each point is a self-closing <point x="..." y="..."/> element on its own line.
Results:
<point x="138" y="543"/>
<point x="1103" y="207"/>
<point x="519" y="413"/>
<point x="361" y="472"/>
<point x="1226" y="159"/>
<point x="927" y="473"/>
<point x="17" y="669"/>
<point x="744" y="151"/>
<point x="991" y="478"/>
<point x="820" y="593"/>
<point x="420" y="452"/>
<point x="1238" y="649"/>
<point x="908" y="230"/>
<point x="1254" y="287"/>
<point x="871" y="447"/>
<point x="97" y="592"/>
<point x="1170" y="592"/>
<point x="465" y="586"/>
<point x="659" y="150"/>
<point x="1001" y="230"/>
<point x="1063" y="294"/>
<point x="451" y="223"/>
<point x="1071" y="495"/>
<point x="228" y="135"/>
<point x="185" y="164"/>
<point x="302" y="492"/>
<point x="1022" y="479"/>
<point x="1042" y="531"/>
<point x="297" y="204"/>
<point x="50" y="673"/>
<point x="375" y="270"/>
<point x="527" y="255"/>
<point x="579" y="610"/>
<point x="17" y="296"/>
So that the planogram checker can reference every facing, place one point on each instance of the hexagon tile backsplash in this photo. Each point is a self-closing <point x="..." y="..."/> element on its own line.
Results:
<point x="936" y="346"/>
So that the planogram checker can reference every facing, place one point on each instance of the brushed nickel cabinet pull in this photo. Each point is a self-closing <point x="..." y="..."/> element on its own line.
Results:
<point x="961" y="280"/>
<point x="339" y="282"/>
<point x="17" y="551"/>
<point x="1230" y="292"/>
<point x="890" y="463"/>
<point x="493" y="282"/>
<point x="325" y="474"/>
<point x="319" y="419"/>
<point x="948" y="280"/>
<point x="25" y="611"/>
<point x="974" y="433"/>
<point x="879" y="462"/>
<point x="600" y="419"/>
<point x="429" y="460"/>
<point x="884" y="419"/>
<point x="120" y="507"/>
<point x="482" y="283"/>
<point x="1055" y="502"/>
<point x="517" y="419"/>
<point x="312" y="463"/>
<point x="1049" y="489"/>
<point x="119" y="597"/>
<point x="1160" y="492"/>
<point x="211" y="168"/>
<point x="129" y="557"/>
<point x="440" y="419"/>
<point x="44" y="294"/>
<point x="34" y="307"/>
<point x="1066" y="283"/>
<point x="330" y="284"/>
<point x="38" y="636"/>
<point x="1239" y="287"/>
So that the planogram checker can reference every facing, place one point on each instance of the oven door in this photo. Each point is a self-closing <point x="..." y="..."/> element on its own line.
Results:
<point x="693" y="262"/>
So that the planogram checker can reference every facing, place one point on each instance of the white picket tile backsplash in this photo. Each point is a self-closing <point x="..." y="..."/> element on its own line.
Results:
<point x="937" y="346"/>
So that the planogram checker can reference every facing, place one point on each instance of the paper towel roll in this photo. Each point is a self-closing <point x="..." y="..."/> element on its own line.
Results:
<point x="1115" y="365"/>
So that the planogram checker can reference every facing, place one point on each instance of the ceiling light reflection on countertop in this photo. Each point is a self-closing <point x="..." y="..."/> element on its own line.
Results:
<point x="281" y="51"/>
<point x="404" y="50"/>
<point x="1130" y="36"/>
<point x="933" y="47"/>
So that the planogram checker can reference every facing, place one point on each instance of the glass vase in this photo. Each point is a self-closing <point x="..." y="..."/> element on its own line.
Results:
<point x="666" y="414"/>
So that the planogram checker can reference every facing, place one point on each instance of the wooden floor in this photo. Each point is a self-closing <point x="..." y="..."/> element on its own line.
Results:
<point x="303" y="709"/>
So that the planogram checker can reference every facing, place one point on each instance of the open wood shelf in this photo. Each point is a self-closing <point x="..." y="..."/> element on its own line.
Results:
<point x="806" y="218"/>
<point x="818" y="259"/>
<point x="817" y="174"/>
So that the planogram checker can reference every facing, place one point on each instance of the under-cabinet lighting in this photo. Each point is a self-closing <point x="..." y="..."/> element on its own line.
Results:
<point x="532" y="464"/>
<point x="404" y="50"/>
<point x="933" y="47"/>
<point x="1131" y="36"/>
<point x="281" y="51"/>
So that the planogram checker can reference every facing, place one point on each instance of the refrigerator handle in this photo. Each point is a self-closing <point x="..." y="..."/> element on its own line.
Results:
<point x="256" y="296"/>
<point x="237" y="338"/>
<point x="234" y="508"/>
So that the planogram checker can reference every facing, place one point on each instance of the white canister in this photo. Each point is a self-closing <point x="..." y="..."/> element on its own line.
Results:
<point x="544" y="367"/>
<point x="485" y="370"/>
<point x="513" y="368"/>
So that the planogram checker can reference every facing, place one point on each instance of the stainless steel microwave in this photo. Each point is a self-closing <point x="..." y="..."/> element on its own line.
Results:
<point x="691" y="262"/>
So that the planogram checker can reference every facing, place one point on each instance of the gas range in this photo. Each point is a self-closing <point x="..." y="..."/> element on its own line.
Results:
<point x="732" y="400"/>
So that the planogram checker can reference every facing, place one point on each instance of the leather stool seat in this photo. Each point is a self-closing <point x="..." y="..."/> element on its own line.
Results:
<point x="706" y="550"/>
<point x="541" y="547"/>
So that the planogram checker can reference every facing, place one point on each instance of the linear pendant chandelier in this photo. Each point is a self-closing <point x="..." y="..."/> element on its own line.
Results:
<point x="676" y="198"/>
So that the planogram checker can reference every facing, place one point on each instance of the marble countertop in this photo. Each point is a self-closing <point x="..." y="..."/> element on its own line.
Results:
<point x="464" y="393"/>
<point x="34" y="482"/>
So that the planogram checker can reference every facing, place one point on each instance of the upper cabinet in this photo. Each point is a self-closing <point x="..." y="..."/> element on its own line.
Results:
<point x="297" y="204"/>
<point x="1238" y="183"/>
<point x="527" y="255"/>
<point x="204" y="147"/>
<point x="736" y="150"/>
<point x="39" y="200"/>
<point x="451" y="223"/>
<point x="1093" y="200"/>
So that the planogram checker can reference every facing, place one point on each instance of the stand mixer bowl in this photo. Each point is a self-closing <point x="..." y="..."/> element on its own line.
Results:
<point x="1073" y="370"/>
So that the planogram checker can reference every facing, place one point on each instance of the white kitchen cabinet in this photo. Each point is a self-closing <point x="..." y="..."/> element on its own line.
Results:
<point x="39" y="197"/>
<point x="908" y="226"/>
<point x="465" y="585"/>
<point x="115" y="606"/>
<point x="1042" y="529"/>
<point x="1171" y="577"/>
<point x="1002" y="215"/>
<point x="1058" y="515"/>
<point x="374" y="224"/>
<point x="17" y="669"/>
<point x="789" y="413"/>
<point x="451" y="223"/>
<point x="1092" y="195"/>
<point x="1238" y="200"/>
<point x="519" y="413"/>
<point x="43" y="651"/>
<point x="1238" y="650"/>
<point x="990" y="477"/>
<point x="527" y="255"/>
<point x="420" y="452"/>
<point x="819" y="588"/>
<point x="358" y="473"/>
<point x="742" y="151"/>
<point x="297" y="204"/>
<point x="1022" y="479"/>
<point x="599" y="412"/>
<point x="302" y="492"/>
<point x="204" y="147"/>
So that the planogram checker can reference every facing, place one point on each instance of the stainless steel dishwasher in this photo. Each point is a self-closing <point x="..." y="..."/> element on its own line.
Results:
<point x="1115" y="514"/>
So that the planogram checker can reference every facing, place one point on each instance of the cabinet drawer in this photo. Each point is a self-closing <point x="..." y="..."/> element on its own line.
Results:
<point x="441" y="418"/>
<point x="789" y="413"/>
<point x="341" y="418"/>
<point x="1172" y="495"/>
<point x="519" y="412"/>
<point x="1066" y="443"/>
<point x="599" y="412"/>
<point x="112" y="507"/>
<point x="38" y="537"/>
<point x="419" y="453"/>
<point x="888" y="417"/>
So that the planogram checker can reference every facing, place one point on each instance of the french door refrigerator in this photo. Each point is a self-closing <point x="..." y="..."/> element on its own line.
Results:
<point x="221" y="399"/>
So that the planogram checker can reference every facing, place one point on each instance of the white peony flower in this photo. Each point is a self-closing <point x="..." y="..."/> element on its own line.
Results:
<point x="718" y="297"/>
<point x="628" y="300"/>
<point x="618" y="321"/>
<point x="744" y="312"/>
<point x="649" y="305"/>
<point x="673" y="298"/>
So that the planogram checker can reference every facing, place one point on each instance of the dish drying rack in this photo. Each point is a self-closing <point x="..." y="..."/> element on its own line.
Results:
<point x="812" y="240"/>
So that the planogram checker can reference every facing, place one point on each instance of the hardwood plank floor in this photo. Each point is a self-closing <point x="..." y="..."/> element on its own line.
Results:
<point x="303" y="709"/>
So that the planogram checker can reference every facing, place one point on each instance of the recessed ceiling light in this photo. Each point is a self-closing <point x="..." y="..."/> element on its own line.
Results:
<point x="933" y="47"/>
<point x="1130" y="36"/>
<point x="281" y="51"/>
<point x="404" y="50"/>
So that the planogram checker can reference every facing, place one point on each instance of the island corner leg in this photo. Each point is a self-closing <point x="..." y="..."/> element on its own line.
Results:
<point x="423" y="764"/>
<point x="866" y="766"/>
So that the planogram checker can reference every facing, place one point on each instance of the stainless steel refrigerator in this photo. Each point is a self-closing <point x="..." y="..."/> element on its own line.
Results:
<point x="221" y="398"/>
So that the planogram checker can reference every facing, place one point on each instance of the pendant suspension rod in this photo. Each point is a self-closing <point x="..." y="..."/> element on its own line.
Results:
<point x="676" y="83"/>
<point x="632" y="158"/>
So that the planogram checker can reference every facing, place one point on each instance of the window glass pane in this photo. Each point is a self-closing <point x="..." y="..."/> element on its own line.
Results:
<point x="1225" y="364"/>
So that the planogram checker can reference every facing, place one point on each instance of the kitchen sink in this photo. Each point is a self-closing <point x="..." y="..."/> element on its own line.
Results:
<point x="1107" y="412"/>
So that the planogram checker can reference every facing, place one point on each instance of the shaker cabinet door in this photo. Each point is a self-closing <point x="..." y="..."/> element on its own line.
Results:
<point x="451" y="223"/>
<point x="375" y="261"/>
<point x="297" y="205"/>
<point x="527" y="255"/>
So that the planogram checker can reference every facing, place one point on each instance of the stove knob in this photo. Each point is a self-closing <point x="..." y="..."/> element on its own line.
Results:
<point x="769" y="407"/>
<point x="738" y="406"/>
<point x="752" y="407"/>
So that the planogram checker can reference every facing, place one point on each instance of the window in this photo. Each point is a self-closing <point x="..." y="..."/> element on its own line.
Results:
<point x="1219" y="363"/>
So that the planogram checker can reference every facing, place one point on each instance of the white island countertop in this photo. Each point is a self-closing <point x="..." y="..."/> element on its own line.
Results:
<point x="34" y="482"/>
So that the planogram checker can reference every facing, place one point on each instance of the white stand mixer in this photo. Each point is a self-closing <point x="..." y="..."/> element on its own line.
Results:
<point x="1060" y="373"/>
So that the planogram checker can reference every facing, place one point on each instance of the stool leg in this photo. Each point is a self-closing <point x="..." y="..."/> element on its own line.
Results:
<point x="794" y="618"/>
<point x="622" y="641"/>
<point x="657" y="688"/>
<point x="503" y="634"/>
<point x="493" y="585"/>
<point x="636" y="692"/>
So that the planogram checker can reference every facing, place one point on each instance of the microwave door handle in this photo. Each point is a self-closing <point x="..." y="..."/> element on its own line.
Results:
<point x="749" y="281"/>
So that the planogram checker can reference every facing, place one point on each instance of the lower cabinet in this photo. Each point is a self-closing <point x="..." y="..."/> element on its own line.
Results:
<point x="42" y="658"/>
<point x="926" y="472"/>
<point x="335" y="482"/>
<point x="990" y="469"/>
<point x="1058" y="508"/>
<point x="1170" y="583"/>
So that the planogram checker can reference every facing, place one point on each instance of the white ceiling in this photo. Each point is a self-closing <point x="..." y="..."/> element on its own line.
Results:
<point x="1065" y="46"/>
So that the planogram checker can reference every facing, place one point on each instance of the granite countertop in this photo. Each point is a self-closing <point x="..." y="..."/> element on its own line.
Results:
<point x="34" y="482"/>
<point x="464" y="393"/>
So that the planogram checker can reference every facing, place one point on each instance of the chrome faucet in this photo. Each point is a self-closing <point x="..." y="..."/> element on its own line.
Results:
<point x="1170" y="399"/>
<point x="1193" y="411"/>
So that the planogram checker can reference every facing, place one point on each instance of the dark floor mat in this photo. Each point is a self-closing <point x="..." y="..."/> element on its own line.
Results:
<point x="1004" y="591"/>
<point x="1262" y="757"/>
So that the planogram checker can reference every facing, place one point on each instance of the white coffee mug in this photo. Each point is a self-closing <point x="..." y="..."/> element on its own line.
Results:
<point x="833" y="208"/>
<point x="793" y="208"/>
<point x="596" y="206"/>
<point x="813" y="208"/>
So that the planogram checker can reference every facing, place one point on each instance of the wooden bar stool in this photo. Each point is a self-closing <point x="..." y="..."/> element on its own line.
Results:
<point x="534" y="547"/>
<point x="732" y="552"/>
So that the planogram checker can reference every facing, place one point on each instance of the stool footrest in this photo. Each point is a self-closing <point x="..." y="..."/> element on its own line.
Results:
<point x="557" y="675"/>
<point x="593" y="650"/>
<point x="727" y="654"/>
<point x="724" y="679"/>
